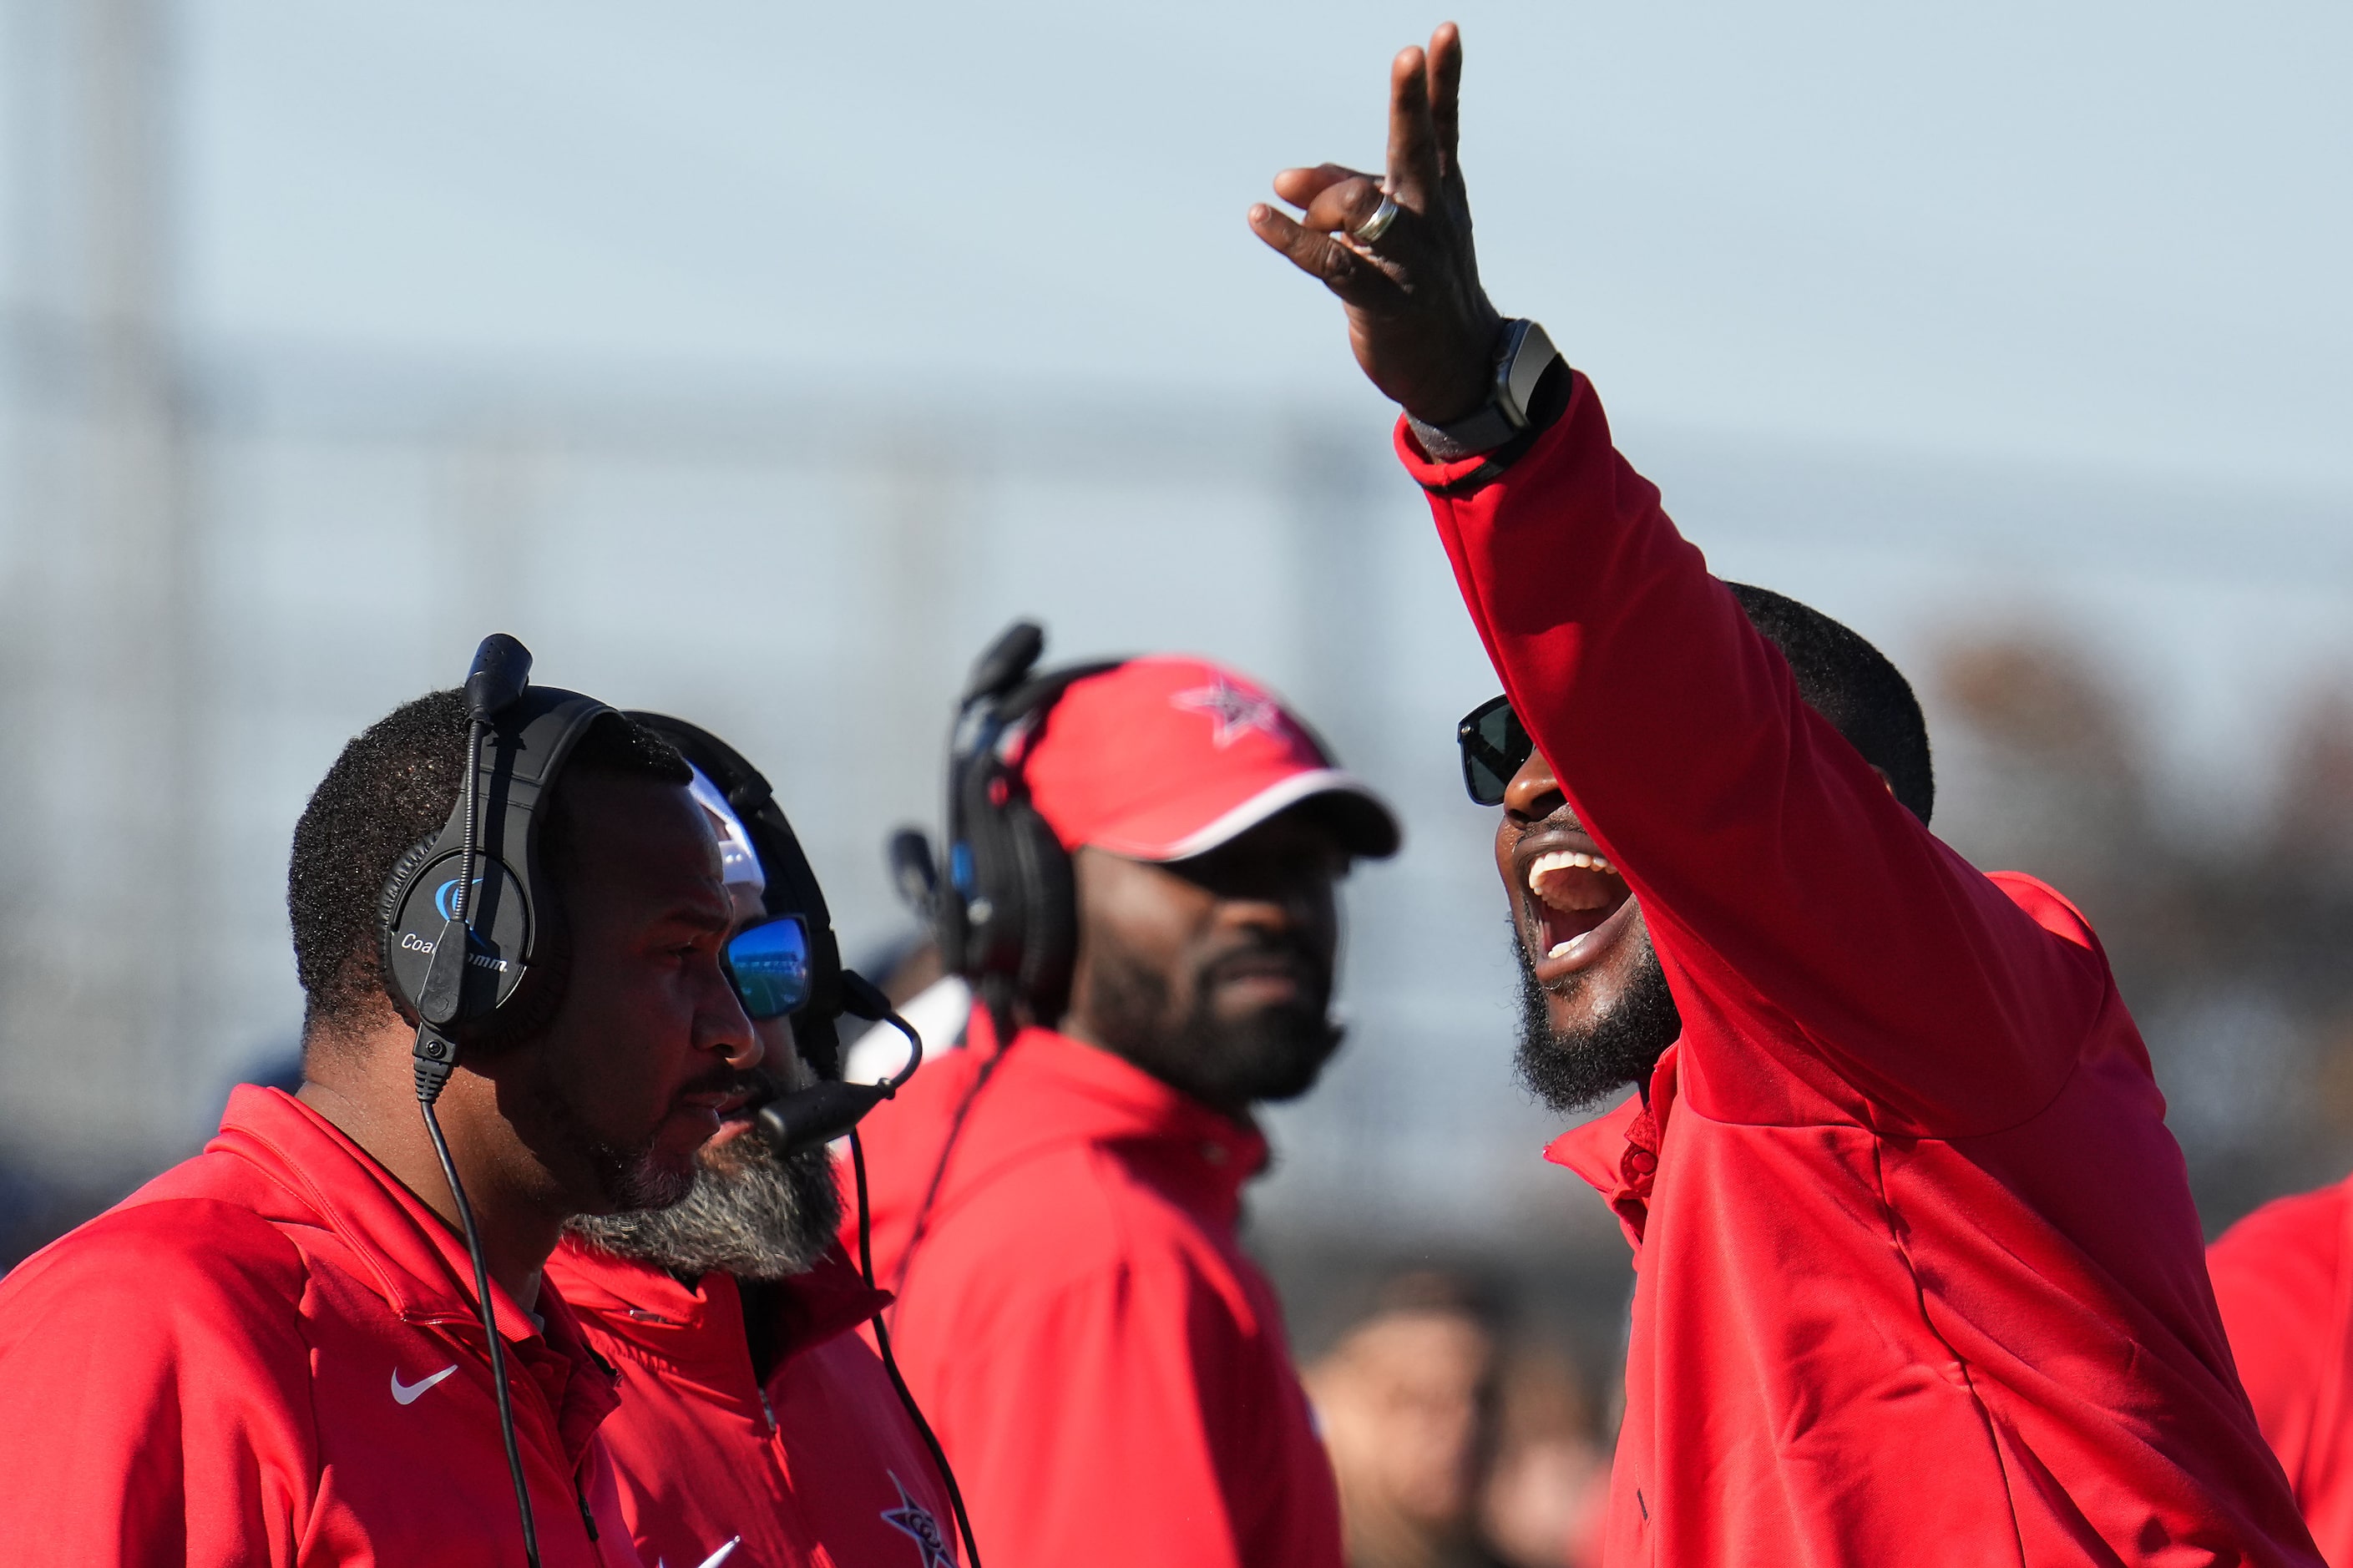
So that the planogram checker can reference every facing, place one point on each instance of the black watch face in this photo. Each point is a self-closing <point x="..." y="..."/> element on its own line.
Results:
<point x="500" y="923"/>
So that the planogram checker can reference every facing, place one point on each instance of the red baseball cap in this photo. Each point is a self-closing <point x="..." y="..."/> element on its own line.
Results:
<point x="1163" y="758"/>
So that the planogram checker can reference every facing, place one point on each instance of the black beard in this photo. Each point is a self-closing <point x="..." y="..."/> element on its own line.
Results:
<point x="749" y="1215"/>
<point x="1274" y="1055"/>
<point x="627" y="1176"/>
<point x="1573" y="1071"/>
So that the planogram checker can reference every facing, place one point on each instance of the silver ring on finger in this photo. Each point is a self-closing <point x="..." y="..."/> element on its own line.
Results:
<point x="1369" y="232"/>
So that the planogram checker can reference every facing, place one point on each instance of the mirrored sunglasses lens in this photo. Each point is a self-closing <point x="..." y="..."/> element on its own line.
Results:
<point x="770" y="966"/>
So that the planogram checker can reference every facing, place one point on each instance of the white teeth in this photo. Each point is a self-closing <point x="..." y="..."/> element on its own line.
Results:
<point x="1566" y="859"/>
<point x="1561" y="948"/>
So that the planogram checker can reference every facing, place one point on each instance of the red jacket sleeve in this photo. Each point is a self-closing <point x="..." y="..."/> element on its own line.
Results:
<point x="2279" y="1278"/>
<point x="156" y="1409"/>
<point x="1798" y="907"/>
<point x="1119" y="1417"/>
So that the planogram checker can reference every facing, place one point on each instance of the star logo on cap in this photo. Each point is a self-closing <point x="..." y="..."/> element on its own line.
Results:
<point x="914" y="1520"/>
<point x="1235" y="711"/>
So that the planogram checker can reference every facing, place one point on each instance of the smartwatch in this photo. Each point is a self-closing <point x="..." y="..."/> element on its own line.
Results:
<point x="1520" y="362"/>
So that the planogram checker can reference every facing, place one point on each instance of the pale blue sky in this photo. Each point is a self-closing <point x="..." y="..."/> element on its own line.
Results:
<point x="2107" y="233"/>
<point x="1950" y="318"/>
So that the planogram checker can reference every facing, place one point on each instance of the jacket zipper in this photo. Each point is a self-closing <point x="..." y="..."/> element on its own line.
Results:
<point x="580" y="1491"/>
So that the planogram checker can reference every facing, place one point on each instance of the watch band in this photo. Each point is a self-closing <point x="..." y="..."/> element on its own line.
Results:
<point x="1524" y="355"/>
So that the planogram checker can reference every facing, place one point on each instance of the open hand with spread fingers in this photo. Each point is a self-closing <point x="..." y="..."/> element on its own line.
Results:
<point x="1397" y="250"/>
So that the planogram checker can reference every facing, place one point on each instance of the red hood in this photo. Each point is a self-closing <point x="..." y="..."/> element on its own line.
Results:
<point x="1066" y="1094"/>
<point x="1072" y="1092"/>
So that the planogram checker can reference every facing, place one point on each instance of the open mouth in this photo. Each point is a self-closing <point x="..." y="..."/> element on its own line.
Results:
<point x="1578" y="901"/>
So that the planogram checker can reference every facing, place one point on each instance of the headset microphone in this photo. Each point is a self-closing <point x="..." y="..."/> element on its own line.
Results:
<point x="501" y="669"/>
<point x="812" y="1117"/>
<point x="914" y="873"/>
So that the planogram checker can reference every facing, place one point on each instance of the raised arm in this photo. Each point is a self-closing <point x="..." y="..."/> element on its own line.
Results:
<point x="1781" y="884"/>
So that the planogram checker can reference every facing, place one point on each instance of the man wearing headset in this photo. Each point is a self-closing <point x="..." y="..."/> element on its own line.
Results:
<point x="271" y="1353"/>
<point x="752" y="1415"/>
<point x="1920" y="1276"/>
<point x="1106" y="1370"/>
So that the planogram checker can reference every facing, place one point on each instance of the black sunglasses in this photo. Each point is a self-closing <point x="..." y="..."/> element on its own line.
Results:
<point x="768" y="964"/>
<point x="1495" y="745"/>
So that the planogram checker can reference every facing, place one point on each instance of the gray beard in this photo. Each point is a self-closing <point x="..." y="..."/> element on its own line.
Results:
<point x="748" y="1214"/>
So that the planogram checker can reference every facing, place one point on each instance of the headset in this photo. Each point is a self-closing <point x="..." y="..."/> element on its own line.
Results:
<point x="792" y="884"/>
<point x="473" y="948"/>
<point x="1002" y="906"/>
<point x="809" y="1118"/>
<point x="474" y="953"/>
<point x="828" y="1110"/>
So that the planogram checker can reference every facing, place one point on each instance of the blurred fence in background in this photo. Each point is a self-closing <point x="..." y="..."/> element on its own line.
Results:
<point x="214" y="579"/>
<point x="316" y="542"/>
<point x="219" y="560"/>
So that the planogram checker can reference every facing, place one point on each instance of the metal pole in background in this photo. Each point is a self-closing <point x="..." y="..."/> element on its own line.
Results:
<point x="917" y="488"/>
<point x="98" y="1014"/>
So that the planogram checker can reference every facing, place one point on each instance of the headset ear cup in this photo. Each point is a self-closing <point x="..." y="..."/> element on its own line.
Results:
<point x="529" y="1009"/>
<point x="991" y="908"/>
<point x="388" y="921"/>
<point x="534" y="1002"/>
<point x="1012" y="914"/>
<point x="1050" y="925"/>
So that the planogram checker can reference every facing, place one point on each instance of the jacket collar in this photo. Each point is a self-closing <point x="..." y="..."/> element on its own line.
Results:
<point x="417" y="1263"/>
<point x="1071" y="1092"/>
<point x="659" y="1317"/>
<point x="1617" y="1152"/>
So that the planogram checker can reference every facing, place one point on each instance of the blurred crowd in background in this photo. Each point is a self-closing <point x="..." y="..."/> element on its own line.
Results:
<point x="227" y="539"/>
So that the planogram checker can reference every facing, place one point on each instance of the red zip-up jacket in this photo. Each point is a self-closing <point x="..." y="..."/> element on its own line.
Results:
<point x="820" y="1468"/>
<point x="1106" y="1369"/>
<point x="1919" y="1276"/>
<point x="2284" y="1276"/>
<point x="268" y="1354"/>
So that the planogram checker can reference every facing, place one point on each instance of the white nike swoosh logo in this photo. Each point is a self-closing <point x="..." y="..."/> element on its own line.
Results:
<point x="716" y="1558"/>
<point x="408" y="1393"/>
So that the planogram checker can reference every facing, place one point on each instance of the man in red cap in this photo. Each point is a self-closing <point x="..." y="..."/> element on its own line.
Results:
<point x="1106" y="1370"/>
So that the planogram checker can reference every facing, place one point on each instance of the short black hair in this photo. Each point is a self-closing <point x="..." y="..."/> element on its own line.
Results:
<point x="392" y="788"/>
<point x="1851" y="684"/>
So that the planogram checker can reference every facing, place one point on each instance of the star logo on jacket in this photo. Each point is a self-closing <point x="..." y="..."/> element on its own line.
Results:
<point x="914" y="1520"/>
<point x="1236" y="709"/>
